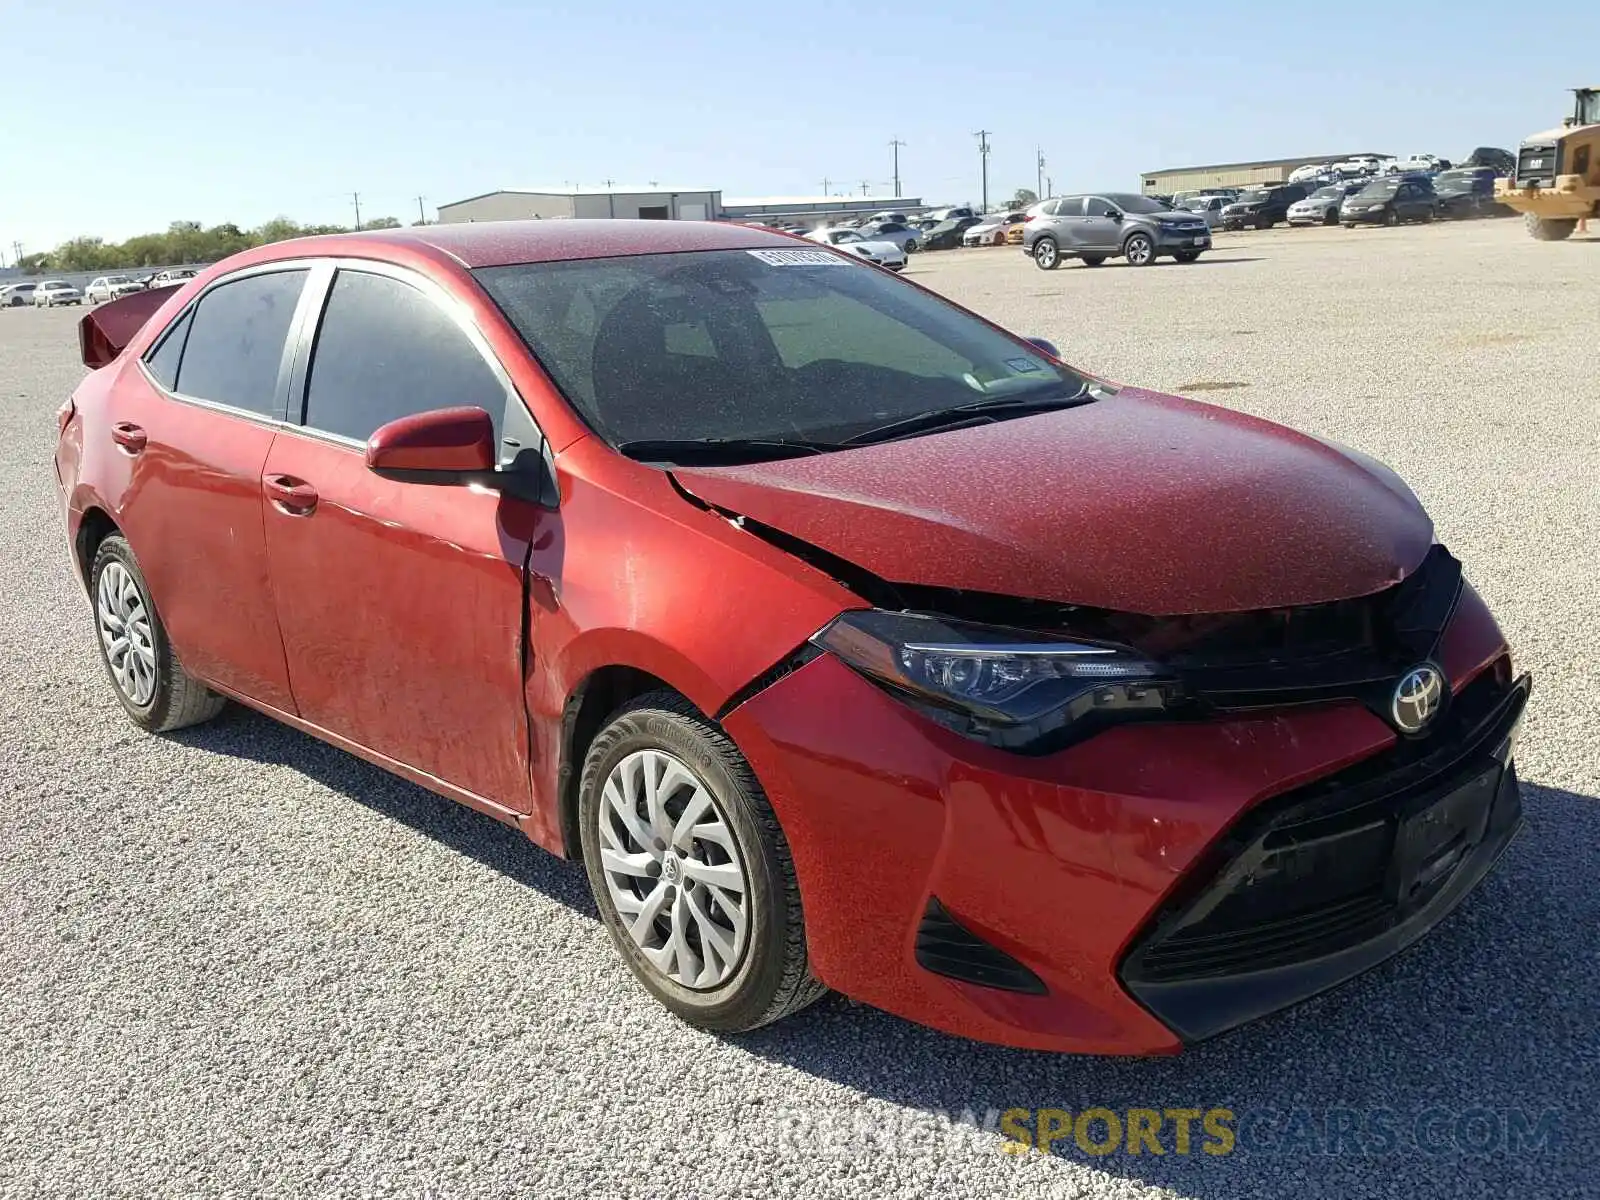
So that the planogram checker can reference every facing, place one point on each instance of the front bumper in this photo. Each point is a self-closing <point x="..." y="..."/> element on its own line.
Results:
<point x="1196" y="239"/>
<point x="914" y="845"/>
<point x="1373" y="216"/>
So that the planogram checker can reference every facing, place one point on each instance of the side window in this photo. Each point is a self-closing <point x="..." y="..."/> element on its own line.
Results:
<point x="1099" y="208"/>
<point x="236" y="339"/>
<point x="163" y="360"/>
<point x="385" y="350"/>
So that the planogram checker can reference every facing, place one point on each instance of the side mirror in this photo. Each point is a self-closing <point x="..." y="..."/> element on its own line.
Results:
<point x="446" y="445"/>
<point x="1048" y="347"/>
<point x="1114" y="215"/>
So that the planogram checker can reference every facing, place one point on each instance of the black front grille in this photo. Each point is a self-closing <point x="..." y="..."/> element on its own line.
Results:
<point x="1320" y="869"/>
<point x="1539" y="165"/>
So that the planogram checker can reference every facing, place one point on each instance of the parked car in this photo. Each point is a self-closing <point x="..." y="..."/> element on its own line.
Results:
<point x="170" y="278"/>
<point x="1467" y="192"/>
<point x="991" y="230"/>
<point x="889" y="215"/>
<point x="16" y="295"/>
<point x="884" y="253"/>
<point x="1262" y="207"/>
<point x="1322" y="206"/>
<point x="1208" y="208"/>
<point x="1503" y="162"/>
<point x="920" y="726"/>
<point x="1112" y="225"/>
<point x="1389" y="200"/>
<point x="1014" y="233"/>
<point x="56" y="291"/>
<point x="109" y="287"/>
<point x="947" y="235"/>
<point x="898" y="232"/>
<point x="959" y="213"/>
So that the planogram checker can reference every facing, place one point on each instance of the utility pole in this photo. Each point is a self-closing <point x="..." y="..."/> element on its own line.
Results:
<point x="897" y="143"/>
<point x="826" y="184"/>
<point x="1049" y="186"/>
<point x="609" y="183"/>
<point x="422" y="216"/>
<point x="1039" y="185"/>
<point x="865" y="187"/>
<point x="356" y="196"/>
<point x="17" y="246"/>
<point x="983" y="153"/>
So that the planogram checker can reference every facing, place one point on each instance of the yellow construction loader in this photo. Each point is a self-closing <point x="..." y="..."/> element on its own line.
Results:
<point x="1557" y="181"/>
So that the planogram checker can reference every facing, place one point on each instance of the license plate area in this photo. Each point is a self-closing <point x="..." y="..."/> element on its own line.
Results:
<point x="1434" y="838"/>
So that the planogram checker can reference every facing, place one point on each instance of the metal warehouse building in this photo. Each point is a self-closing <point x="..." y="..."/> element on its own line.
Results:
<point x="520" y="204"/>
<point x="1241" y="174"/>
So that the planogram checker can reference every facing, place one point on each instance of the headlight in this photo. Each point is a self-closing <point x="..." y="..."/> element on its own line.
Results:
<point x="1010" y="687"/>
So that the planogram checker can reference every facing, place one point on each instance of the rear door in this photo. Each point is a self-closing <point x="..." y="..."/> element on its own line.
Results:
<point x="194" y="420"/>
<point x="401" y="603"/>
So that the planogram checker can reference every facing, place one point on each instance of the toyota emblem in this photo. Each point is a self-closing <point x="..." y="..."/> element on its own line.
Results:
<point x="1417" y="699"/>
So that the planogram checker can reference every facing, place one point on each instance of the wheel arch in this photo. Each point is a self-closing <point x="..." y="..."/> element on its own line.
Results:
<point x="94" y="526"/>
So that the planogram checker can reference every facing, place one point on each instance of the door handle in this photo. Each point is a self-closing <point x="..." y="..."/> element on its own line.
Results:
<point x="294" y="496"/>
<point x="129" y="436"/>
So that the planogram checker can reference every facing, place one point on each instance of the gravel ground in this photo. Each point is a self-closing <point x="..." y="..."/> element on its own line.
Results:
<point x="238" y="962"/>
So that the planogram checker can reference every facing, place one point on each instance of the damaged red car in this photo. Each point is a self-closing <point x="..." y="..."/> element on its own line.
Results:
<point x="851" y="641"/>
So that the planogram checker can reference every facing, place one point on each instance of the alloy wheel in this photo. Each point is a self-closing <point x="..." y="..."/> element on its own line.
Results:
<point x="1139" y="250"/>
<point x="125" y="632"/>
<point x="672" y="869"/>
<point x="1044" y="253"/>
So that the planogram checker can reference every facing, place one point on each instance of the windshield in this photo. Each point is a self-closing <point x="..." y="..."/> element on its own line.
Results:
<point x="55" y="283"/>
<point x="757" y="344"/>
<point x="116" y="279"/>
<point x="840" y="236"/>
<point x="1328" y="193"/>
<point x="1254" y="196"/>
<point x="1137" y="204"/>
<point x="1455" y="181"/>
<point x="1380" y="190"/>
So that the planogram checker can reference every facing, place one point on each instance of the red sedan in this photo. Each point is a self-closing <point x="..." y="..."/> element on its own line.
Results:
<point x="851" y="641"/>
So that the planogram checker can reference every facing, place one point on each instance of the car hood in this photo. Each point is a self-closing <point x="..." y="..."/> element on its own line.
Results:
<point x="1139" y="503"/>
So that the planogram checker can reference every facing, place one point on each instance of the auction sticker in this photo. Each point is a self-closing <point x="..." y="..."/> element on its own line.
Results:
<point x="799" y="258"/>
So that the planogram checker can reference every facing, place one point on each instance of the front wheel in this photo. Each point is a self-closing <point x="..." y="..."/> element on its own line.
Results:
<point x="1391" y="218"/>
<point x="690" y="870"/>
<point x="1139" y="250"/>
<point x="1265" y="223"/>
<point x="911" y="246"/>
<point x="149" y="680"/>
<point x="1332" y="218"/>
<point x="1550" y="229"/>
<point x="1093" y="260"/>
<point x="1046" y="254"/>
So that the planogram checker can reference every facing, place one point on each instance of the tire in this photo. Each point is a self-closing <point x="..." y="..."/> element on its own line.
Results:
<point x="1349" y="224"/>
<point x="1187" y="256"/>
<point x="1391" y="218"/>
<point x="1265" y="223"/>
<point x="911" y="246"/>
<point x="1093" y="260"/>
<point x="1139" y="250"/>
<point x="1332" y="218"/>
<point x="1046" y="254"/>
<point x="162" y="696"/>
<point x="768" y="976"/>
<point x="1550" y="229"/>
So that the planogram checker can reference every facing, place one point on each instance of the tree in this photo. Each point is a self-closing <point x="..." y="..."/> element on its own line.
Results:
<point x="1024" y="197"/>
<point x="382" y="223"/>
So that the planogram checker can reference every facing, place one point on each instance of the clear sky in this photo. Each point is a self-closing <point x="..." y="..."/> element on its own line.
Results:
<point x="234" y="110"/>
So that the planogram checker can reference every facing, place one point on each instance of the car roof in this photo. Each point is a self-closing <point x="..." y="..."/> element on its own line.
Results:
<point x="504" y="243"/>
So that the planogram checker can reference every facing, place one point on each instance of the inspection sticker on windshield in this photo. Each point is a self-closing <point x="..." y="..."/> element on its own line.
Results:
<point x="1023" y="365"/>
<point x="799" y="258"/>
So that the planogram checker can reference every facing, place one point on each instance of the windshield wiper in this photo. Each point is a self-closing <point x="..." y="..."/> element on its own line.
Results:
<point x="925" y="422"/>
<point x="722" y="449"/>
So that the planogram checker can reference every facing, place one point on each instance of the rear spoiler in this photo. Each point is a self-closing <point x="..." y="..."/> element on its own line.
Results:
<point x="107" y="329"/>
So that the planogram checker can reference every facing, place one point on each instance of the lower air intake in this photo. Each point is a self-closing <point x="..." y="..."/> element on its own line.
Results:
<point x="949" y="949"/>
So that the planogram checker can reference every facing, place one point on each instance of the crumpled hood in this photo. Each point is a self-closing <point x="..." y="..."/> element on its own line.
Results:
<point x="1139" y="503"/>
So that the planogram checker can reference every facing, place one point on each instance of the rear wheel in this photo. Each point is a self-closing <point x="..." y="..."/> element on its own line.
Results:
<point x="1391" y="217"/>
<point x="1186" y="256"/>
<point x="1139" y="250"/>
<point x="139" y="660"/>
<point x="1550" y="229"/>
<point x="1332" y="217"/>
<point x="911" y="246"/>
<point x="1093" y="260"/>
<point x="690" y="869"/>
<point x="1046" y="254"/>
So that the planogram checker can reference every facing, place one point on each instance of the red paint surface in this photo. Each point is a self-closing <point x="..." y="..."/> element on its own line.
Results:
<point x="1139" y="503"/>
<point x="388" y="618"/>
<point x="450" y="439"/>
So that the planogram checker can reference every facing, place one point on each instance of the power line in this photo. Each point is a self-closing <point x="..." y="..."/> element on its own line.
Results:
<point x="983" y="153"/>
<point x="896" y="143"/>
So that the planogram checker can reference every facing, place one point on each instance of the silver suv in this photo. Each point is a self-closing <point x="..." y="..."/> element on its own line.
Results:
<point x="1111" y="225"/>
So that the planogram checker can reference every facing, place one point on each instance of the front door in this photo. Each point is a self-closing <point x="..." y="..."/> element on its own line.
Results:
<point x="196" y="422"/>
<point x="401" y="603"/>
<point x="1098" y="232"/>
